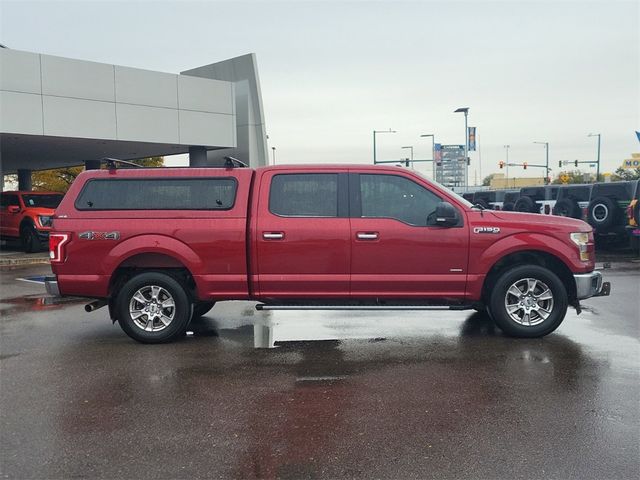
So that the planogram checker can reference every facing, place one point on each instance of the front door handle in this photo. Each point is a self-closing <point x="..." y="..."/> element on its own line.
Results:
<point x="273" y="235"/>
<point x="367" y="235"/>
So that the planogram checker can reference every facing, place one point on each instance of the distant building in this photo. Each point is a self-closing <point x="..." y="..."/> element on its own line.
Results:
<point x="499" y="180"/>
<point x="58" y="112"/>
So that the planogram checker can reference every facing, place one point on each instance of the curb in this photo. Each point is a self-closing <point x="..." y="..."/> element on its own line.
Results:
<point x="12" y="263"/>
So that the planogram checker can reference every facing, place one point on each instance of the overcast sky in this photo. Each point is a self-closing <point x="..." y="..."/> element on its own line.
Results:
<point x="333" y="71"/>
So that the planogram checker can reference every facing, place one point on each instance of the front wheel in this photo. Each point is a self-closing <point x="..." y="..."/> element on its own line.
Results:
<point x="30" y="241"/>
<point x="153" y="307"/>
<point x="528" y="301"/>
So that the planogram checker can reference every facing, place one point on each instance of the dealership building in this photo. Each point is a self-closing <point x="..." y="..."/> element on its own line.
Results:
<point x="58" y="112"/>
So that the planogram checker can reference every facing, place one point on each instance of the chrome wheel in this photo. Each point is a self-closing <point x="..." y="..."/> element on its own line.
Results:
<point x="528" y="302"/>
<point x="152" y="308"/>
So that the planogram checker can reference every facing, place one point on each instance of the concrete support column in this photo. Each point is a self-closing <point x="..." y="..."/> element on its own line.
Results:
<point x="24" y="179"/>
<point x="197" y="157"/>
<point x="92" y="164"/>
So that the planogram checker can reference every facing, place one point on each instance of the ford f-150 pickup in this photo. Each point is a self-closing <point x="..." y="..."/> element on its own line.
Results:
<point x="160" y="246"/>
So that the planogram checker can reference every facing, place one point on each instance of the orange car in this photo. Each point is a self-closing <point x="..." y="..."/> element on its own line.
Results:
<point x="27" y="216"/>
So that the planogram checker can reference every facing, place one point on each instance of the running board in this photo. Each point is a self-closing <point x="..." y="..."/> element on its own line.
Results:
<point x="263" y="306"/>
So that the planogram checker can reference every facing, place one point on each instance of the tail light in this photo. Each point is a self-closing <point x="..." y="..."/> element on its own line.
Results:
<point x="57" y="242"/>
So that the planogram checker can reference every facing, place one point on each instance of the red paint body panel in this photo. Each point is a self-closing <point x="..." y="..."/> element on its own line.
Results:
<point x="229" y="257"/>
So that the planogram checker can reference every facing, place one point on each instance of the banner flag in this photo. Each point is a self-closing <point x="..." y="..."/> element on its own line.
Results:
<point x="437" y="153"/>
<point x="472" y="139"/>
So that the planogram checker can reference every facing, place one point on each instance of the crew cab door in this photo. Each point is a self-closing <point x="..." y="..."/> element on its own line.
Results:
<point x="397" y="250"/>
<point x="302" y="235"/>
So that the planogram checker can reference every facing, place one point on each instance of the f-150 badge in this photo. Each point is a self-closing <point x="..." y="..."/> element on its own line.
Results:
<point x="486" y="230"/>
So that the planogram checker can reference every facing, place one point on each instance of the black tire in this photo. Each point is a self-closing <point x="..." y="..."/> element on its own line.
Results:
<point x="29" y="238"/>
<point x="602" y="212"/>
<point x="518" y="277"/>
<point x="567" y="207"/>
<point x="142" y="285"/>
<point x="201" y="308"/>
<point x="508" y="207"/>
<point x="526" y="204"/>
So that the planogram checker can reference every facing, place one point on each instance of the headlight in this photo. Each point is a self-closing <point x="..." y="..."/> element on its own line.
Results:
<point x="581" y="239"/>
<point x="45" y="220"/>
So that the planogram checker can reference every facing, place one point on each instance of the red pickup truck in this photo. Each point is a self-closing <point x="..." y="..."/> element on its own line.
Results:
<point x="160" y="246"/>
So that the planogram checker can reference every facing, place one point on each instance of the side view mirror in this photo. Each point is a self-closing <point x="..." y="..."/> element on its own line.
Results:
<point x="446" y="215"/>
<point x="13" y="209"/>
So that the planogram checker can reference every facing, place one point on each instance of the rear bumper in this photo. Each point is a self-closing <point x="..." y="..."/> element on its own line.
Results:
<point x="51" y="285"/>
<point x="591" y="285"/>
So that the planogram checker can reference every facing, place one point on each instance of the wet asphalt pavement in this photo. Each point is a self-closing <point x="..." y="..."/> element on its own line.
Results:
<point x="340" y="394"/>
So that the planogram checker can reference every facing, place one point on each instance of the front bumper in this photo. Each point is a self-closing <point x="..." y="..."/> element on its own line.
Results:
<point x="591" y="285"/>
<point x="51" y="285"/>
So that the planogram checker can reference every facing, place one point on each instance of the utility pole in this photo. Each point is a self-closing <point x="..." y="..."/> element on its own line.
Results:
<point x="506" y="147"/>
<point x="598" y="160"/>
<point x="273" y="149"/>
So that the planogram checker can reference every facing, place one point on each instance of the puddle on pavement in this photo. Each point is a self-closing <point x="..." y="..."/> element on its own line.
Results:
<point x="36" y="303"/>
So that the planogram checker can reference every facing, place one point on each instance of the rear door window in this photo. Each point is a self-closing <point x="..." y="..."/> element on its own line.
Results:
<point x="304" y="195"/>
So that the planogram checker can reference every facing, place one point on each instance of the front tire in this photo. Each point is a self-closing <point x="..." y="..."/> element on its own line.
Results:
<point x="528" y="301"/>
<point x="153" y="307"/>
<point x="29" y="238"/>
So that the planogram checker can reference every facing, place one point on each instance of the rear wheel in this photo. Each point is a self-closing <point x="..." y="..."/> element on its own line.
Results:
<point x="29" y="238"/>
<point x="567" y="207"/>
<point x="153" y="308"/>
<point x="526" y="204"/>
<point x="528" y="301"/>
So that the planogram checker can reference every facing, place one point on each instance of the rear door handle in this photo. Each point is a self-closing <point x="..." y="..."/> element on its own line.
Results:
<point x="367" y="235"/>
<point x="273" y="235"/>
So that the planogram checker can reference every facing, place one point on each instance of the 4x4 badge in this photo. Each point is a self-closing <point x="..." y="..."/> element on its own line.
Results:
<point x="99" y="236"/>
<point x="486" y="230"/>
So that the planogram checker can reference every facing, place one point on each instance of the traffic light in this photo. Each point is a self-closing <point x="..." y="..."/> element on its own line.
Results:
<point x="576" y="163"/>
<point x="501" y="164"/>
<point x="524" y="165"/>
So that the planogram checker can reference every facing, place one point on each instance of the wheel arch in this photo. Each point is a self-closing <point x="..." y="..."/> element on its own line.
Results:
<point x="530" y="257"/>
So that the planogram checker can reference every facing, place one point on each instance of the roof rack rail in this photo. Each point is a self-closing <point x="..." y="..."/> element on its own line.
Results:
<point x="231" y="162"/>
<point x="111" y="163"/>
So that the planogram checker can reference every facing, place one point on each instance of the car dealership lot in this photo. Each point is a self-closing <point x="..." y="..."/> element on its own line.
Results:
<point x="341" y="394"/>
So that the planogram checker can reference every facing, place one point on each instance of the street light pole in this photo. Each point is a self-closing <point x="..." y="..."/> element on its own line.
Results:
<point x="598" y="160"/>
<point x="273" y="149"/>
<point x="374" y="141"/>
<point x="411" y="148"/>
<point x="433" y="153"/>
<point x="506" y="147"/>
<point x="546" y="146"/>
<point x="465" y="110"/>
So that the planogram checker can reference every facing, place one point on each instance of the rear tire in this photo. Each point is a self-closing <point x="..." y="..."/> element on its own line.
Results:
<point x="153" y="307"/>
<point x="567" y="207"/>
<point x="528" y="301"/>
<point x="526" y="204"/>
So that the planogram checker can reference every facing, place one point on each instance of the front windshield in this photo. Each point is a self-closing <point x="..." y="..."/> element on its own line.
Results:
<point x="458" y="196"/>
<point x="49" y="200"/>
